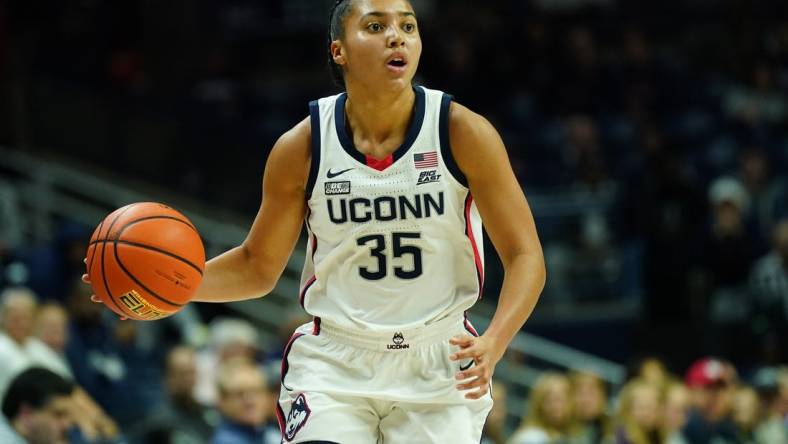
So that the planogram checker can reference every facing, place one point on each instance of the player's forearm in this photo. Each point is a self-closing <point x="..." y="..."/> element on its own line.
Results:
<point x="233" y="276"/>
<point x="522" y="284"/>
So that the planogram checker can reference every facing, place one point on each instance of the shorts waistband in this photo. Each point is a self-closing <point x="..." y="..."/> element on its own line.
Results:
<point x="392" y="340"/>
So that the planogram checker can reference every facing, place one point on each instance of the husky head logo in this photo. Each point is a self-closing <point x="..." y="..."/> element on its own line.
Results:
<point x="299" y="413"/>
<point x="398" y="338"/>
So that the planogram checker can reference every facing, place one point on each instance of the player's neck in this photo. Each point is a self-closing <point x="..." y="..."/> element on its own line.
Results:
<point x="379" y="119"/>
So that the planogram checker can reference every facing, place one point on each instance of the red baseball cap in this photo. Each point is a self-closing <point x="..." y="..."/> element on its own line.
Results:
<point x="706" y="372"/>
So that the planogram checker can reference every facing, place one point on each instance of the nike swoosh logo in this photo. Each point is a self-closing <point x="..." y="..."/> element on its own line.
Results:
<point x="338" y="173"/>
<point x="467" y="366"/>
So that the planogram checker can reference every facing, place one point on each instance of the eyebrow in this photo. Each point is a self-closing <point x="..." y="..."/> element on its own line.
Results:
<point x="381" y="14"/>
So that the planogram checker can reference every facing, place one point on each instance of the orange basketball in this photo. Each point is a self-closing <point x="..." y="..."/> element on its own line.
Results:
<point x="145" y="261"/>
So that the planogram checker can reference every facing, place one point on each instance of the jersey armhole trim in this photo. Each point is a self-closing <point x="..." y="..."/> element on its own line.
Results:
<point x="448" y="158"/>
<point x="314" y="166"/>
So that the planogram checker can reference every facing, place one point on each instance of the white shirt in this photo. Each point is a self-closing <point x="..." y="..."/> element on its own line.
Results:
<point x="15" y="358"/>
<point x="7" y="433"/>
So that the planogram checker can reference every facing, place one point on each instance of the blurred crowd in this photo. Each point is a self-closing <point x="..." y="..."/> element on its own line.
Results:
<point x="709" y="404"/>
<point x="221" y="387"/>
<point x="132" y="382"/>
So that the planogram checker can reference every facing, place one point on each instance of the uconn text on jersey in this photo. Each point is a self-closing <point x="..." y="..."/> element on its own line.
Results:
<point x="384" y="208"/>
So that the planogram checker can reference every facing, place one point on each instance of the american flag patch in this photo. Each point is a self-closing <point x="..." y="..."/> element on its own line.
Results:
<point x="426" y="160"/>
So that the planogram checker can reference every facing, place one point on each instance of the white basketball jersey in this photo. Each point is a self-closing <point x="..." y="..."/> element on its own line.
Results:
<point x="393" y="243"/>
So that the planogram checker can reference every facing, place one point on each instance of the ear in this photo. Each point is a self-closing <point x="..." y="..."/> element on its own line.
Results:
<point x="338" y="52"/>
<point x="23" y="416"/>
<point x="24" y="410"/>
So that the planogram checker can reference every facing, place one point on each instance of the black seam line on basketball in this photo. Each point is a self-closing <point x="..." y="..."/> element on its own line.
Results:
<point x="120" y="233"/>
<point x="103" y="262"/>
<point x="159" y="217"/>
<point x="158" y="250"/>
<point x="136" y="281"/>
<point x="93" y="254"/>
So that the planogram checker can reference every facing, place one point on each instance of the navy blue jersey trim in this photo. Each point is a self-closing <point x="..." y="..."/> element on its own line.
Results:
<point x="285" y="367"/>
<point x="448" y="158"/>
<point x="410" y="137"/>
<point x="314" y="119"/>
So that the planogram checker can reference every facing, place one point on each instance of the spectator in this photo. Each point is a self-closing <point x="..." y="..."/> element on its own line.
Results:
<point x="495" y="427"/>
<point x="94" y="425"/>
<point x="773" y="396"/>
<point x="19" y="349"/>
<point x="769" y="289"/>
<point x="179" y="416"/>
<point x="100" y="353"/>
<point x="590" y="401"/>
<point x="246" y="405"/>
<point x="710" y="382"/>
<point x="781" y="404"/>
<point x="549" y="418"/>
<point x="760" y="102"/>
<point x="767" y="194"/>
<point x="676" y="408"/>
<point x="52" y="326"/>
<point x="52" y="330"/>
<point x="37" y="409"/>
<point x="229" y="338"/>
<point x="745" y="414"/>
<point x="639" y="414"/>
<point x="652" y="371"/>
<point x="728" y="256"/>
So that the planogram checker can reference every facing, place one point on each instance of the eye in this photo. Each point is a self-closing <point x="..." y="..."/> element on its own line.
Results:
<point x="375" y="27"/>
<point x="409" y="27"/>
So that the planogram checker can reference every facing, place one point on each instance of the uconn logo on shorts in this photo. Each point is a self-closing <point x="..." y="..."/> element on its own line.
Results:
<point x="299" y="413"/>
<point x="398" y="342"/>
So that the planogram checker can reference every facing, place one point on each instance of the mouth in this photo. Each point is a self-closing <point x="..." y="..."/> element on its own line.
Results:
<point x="397" y="63"/>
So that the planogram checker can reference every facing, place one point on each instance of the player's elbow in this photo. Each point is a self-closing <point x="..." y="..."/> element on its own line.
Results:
<point x="539" y="269"/>
<point x="260" y="270"/>
<point x="527" y="262"/>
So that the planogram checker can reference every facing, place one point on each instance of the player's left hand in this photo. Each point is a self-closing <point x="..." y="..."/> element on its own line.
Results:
<point x="486" y="352"/>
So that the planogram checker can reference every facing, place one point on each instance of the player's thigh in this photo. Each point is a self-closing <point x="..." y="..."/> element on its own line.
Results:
<point x="319" y="417"/>
<point x="436" y="423"/>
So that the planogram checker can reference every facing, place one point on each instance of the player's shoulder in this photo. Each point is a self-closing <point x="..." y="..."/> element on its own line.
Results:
<point x="292" y="152"/>
<point x="295" y="143"/>
<point x="297" y="138"/>
<point x="472" y="137"/>
<point x="465" y="122"/>
<point x="469" y="131"/>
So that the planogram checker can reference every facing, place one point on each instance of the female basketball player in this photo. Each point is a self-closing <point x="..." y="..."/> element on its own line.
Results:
<point x="392" y="181"/>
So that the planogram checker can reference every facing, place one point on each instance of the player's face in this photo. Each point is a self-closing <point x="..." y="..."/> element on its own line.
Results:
<point x="382" y="45"/>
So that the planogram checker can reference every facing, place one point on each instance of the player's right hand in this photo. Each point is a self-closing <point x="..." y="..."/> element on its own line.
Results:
<point x="93" y="297"/>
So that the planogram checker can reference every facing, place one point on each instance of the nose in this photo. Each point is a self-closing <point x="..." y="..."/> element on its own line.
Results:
<point x="395" y="39"/>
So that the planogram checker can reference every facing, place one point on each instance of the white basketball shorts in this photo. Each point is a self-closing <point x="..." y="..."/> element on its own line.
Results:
<point x="356" y="387"/>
